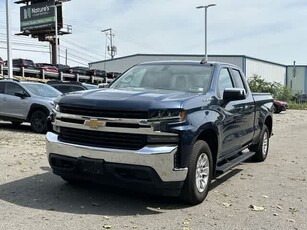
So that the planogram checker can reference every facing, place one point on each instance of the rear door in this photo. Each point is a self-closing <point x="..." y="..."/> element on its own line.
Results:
<point x="237" y="125"/>
<point x="247" y="105"/>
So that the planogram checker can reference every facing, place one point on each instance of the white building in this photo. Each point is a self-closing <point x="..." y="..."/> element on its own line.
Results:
<point x="270" y="71"/>
<point x="297" y="79"/>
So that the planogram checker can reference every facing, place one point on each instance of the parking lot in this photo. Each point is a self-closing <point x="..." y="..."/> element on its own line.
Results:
<point x="268" y="195"/>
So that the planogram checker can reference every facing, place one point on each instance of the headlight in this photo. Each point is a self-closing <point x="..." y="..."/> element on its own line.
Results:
<point x="167" y="115"/>
<point x="56" y="106"/>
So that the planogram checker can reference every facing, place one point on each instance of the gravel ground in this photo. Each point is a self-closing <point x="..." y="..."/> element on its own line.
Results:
<point x="268" y="195"/>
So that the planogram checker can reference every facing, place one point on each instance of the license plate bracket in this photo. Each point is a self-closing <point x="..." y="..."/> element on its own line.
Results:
<point x="91" y="166"/>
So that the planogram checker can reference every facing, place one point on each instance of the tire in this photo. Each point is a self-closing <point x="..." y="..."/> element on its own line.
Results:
<point x="197" y="183"/>
<point x="276" y="109"/>
<point x="261" y="149"/>
<point x="16" y="124"/>
<point x="38" y="121"/>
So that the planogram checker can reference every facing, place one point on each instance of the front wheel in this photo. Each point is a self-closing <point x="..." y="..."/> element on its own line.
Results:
<point x="38" y="121"/>
<point x="261" y="149"/>
<point x="197" y="183"/>
<point x="276" y="109"/>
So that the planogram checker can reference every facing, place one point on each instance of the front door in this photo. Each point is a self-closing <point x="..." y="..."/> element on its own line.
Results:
<point x="238" y="123"/>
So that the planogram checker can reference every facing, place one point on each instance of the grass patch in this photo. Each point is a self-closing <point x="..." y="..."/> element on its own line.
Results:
<point x="294" y="105"/>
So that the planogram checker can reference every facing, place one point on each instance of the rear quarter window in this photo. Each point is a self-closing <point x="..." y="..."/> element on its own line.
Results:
<point x="238" y="79"/>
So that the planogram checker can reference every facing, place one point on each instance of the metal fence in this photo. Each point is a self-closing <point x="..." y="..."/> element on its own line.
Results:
<point x="45" y="75"/>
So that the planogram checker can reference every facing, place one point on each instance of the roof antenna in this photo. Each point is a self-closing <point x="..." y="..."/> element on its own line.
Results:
<point x="203" y="61"/>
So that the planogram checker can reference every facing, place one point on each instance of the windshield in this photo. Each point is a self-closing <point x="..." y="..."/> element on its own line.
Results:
<point x="41" y="90"/>
<point x="183" y="77"/>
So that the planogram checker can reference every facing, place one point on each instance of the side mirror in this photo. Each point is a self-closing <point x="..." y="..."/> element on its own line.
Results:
<point x="21" y="95"/>
<point x="234" y="94"/>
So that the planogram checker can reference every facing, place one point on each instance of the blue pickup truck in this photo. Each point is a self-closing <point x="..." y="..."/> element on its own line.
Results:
<point x="169" y="127"/>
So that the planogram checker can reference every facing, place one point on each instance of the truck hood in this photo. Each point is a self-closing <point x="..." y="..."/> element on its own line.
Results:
<point x="136" y="99"/>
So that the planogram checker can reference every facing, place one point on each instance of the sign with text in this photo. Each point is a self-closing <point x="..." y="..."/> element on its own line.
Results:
<point x="37" y="16"/>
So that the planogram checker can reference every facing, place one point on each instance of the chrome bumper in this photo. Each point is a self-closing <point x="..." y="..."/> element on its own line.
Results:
<point x="161" y="158"/>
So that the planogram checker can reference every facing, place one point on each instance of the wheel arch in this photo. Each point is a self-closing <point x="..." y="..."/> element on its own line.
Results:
<point x="35" y="107"/>
<point x="269" y="123"/>
<point x="210" y="135"/>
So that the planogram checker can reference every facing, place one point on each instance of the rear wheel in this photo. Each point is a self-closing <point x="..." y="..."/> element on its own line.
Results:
<point x="197" y="183"/>
<point x="38" y="121"/>
<point x="261" y="149"/>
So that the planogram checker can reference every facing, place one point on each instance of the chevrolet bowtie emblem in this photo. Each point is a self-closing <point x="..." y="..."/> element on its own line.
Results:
<point x="94" y="123"/>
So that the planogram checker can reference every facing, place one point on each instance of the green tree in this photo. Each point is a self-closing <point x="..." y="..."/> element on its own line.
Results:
<point x="260" y="85"/>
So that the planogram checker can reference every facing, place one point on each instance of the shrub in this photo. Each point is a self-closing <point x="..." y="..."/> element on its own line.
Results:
<point x="278" y="91"/>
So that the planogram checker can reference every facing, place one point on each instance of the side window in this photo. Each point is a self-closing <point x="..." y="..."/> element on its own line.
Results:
<point x="224" y="81"/>
<point x="12" y="88"/>
<point x="2" y="86"/>
<point x="238" y="79"/>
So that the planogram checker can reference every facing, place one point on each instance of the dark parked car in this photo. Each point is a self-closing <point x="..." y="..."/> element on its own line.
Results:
<point x="77" y="70"/>
<point x="113" y="75"/>
<point x="66" y="87"/>
<point x="47" y="67"/>
<point x="97" y="73"/>
<point x="26" y="63"/>
<point x="62" y="68"/>
<point x="280" y="106"/>
<point x="301" y="98"/>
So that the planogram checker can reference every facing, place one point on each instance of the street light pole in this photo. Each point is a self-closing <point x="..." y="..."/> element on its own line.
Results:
<point x="205" y="7"/>
<point x="9" y="43"/>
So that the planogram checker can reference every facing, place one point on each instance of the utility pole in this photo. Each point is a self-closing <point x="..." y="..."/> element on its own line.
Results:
<point x="112" y="49"/>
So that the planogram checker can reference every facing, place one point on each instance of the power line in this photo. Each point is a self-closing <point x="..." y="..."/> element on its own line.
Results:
<point x="36" y="51"/>
<point x="76" y="51"/>
<point x="87" y="60"/>
<point x="68" y="41"/>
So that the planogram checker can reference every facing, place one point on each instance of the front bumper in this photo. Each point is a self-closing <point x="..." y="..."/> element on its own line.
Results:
<point x="158" y="158"/>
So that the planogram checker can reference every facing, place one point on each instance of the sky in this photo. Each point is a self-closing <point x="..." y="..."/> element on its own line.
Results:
<point x="272" y="30"/>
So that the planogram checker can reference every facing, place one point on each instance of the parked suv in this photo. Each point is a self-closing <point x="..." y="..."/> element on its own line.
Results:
<point x="26" y="102"/>
<point x="67" y="86"/>
<point x="27" y="64"/>
<point x="77" y="70"/>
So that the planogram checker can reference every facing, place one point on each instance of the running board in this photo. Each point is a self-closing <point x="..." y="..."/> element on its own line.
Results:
<point x="234" y="162"/>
